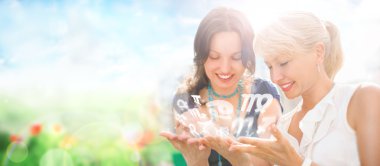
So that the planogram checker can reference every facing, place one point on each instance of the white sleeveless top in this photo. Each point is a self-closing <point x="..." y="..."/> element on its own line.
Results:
<point x="327" y="138"/>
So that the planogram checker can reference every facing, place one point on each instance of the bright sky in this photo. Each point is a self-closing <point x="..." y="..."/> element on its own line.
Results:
<point x="137" y="46"/>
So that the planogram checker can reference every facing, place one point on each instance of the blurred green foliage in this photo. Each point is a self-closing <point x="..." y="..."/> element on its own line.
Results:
<point x="81" y="129"/>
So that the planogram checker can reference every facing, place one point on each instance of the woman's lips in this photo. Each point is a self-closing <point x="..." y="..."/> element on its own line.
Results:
<point x="286" y="87"/>
<point x="224" y="76"/>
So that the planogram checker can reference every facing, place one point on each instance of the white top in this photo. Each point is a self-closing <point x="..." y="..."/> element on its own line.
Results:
<point x="327" y="138"/>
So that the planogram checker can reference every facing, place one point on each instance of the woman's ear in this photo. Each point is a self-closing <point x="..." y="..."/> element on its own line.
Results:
<point x="320" y="52"/>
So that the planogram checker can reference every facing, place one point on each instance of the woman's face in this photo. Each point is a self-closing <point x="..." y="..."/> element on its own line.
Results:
<point x="294" y="74"/>
<point x="224" y="66"/>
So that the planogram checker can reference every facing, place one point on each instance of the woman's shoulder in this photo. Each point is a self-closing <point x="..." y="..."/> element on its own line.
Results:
<point x="368" y="89"/>
<point x="262" y="83"/>
<point x="366" y="93"/>
<point x="364" y="104"/>
<point x="259" y="81"/>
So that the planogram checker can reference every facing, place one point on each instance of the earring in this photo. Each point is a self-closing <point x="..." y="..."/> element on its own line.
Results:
<point x="318" y="68"/>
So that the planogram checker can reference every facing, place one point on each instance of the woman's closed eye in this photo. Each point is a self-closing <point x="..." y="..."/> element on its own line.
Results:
<point x="213" y="57"/>
<point x="284" y="63"/>
<point x="236" y="57"/>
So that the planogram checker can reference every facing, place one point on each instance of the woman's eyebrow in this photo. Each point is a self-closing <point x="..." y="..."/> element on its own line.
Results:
<point x="211" y="50"/>
<point x="217" y="52"/>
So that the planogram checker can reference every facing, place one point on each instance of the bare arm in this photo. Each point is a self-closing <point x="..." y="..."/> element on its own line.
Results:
<point x="271" y="115"/>
<point x="363" y="116"/>
<point x="268" y="116"/>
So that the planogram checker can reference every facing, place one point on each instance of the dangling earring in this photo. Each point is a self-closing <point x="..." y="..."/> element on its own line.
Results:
<point x="318" y="68"/>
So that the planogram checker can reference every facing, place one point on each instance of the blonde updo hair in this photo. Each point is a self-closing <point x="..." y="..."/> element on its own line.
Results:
<point x="298" y="33"/>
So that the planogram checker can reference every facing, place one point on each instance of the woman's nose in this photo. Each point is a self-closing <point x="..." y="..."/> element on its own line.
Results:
<point x="225" y="65"/>
<point x="276" y="75"/>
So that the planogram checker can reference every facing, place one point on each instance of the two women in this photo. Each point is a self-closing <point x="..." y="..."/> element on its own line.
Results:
<point x="335" y="124"/>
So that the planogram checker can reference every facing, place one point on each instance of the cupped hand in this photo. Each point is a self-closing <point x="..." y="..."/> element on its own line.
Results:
<point x="276" y="151"/>
<point x="221" y="145"/>
<point x="191" y="148"/>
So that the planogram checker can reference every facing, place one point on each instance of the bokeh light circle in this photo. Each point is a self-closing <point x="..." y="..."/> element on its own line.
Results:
<point x="17" y="152"/>
<point x="56" y="157"/>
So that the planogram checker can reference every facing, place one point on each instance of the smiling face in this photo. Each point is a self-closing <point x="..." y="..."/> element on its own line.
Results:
<point x="224" y="66"/>
<point x="295" y="74"/>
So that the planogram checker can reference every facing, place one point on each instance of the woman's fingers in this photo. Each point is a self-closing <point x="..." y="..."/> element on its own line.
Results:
<point x="184" y="137"/>
<point x="196" y="141"/>
<point x="219" y="144"/>
<point x="192" y="141"/>
<point x="167" y="135"/>
<point x="232" y="141"/>
<point x="204" y="141"/>
<point x="179" y="142"/>
<point x="244" y="148"/>
<point x="251" y="141"/>
<point x="213" y="142"/>
<point x="201" y="147"/>
<point x="276" y="133"/>
<point x="175" y="142"/>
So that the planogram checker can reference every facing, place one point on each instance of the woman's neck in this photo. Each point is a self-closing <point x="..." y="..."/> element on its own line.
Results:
<point x="316" y="93"/>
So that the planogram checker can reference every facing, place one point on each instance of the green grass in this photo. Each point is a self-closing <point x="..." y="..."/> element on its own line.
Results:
<point x="96" y="129"/>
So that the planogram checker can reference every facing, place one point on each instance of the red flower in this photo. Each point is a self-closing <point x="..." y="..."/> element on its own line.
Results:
<point x="146" y="138"/>
<point x="35" y="129"/>
<point x="15" y="138"/>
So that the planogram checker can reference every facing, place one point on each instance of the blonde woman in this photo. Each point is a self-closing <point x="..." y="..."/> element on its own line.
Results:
<point x="335" y="124"/>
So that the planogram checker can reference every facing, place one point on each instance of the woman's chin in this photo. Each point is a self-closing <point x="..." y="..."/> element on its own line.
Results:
<point x="291" y="96"/>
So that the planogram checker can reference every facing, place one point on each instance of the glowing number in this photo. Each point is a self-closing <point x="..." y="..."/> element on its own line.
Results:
<point x="224" y="132"/>
<point x="246" y="98"/>
<point x="194" y="113"/>
<point x="249" y="122"/>
<point x="207" y="127"/>
<point x="260" y="99"/>
<point x="180" y="118"/>
<point x="238" y="123"/>
<point x="196" y="99"/>
<point x="223" y="109"/>
<point x="182" y="104"/>
<point x="193" y="131"/>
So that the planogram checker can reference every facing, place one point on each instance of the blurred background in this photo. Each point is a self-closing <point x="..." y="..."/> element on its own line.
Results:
<point x="90" y="82"/>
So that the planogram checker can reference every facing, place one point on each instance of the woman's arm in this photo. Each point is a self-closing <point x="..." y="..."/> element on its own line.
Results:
<point x="364" y="117"/>
<point x="268" y="116"/>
